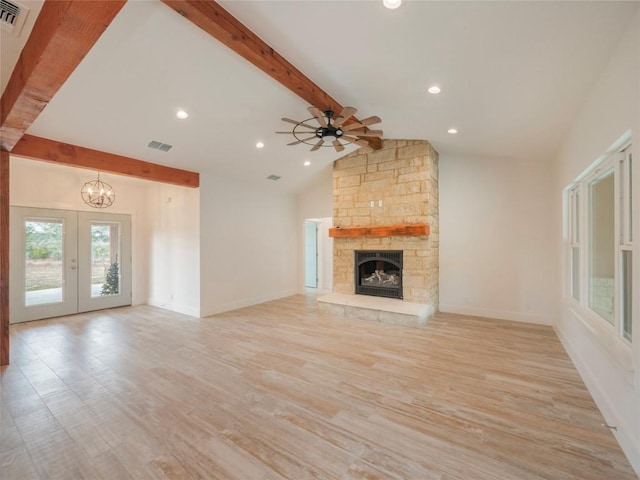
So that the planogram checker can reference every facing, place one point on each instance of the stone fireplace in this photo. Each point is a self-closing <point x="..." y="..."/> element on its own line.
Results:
<point x="378" y="196"/>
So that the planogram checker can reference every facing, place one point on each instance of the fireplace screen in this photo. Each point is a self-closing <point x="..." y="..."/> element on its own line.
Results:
<point x="378" y="272"/>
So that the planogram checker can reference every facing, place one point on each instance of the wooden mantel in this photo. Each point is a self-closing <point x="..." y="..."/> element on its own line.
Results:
<point x="402" y="230"/>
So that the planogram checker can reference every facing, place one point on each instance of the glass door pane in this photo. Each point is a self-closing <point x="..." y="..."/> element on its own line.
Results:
<point x="105" y="251"/>
<point x="44" y="268"/>
<point x="104" y="260"/>
<point x="43" y="261"/>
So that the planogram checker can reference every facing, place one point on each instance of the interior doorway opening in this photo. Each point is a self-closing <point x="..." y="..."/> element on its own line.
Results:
<point x="318" y="255"/>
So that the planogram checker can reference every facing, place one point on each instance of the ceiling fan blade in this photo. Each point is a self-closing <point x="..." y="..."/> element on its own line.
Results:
<point x="370" y="120"/>
<point x="366" y="133"/>
<point x="337" y="145"/>
<point x="301" y="131"/>
<point x="299" y="123"/>
<point x="319" y="116"/>
<point x="357" y="141"/>
<point x="317" y="145"/>
<point x="362" y="123"/>
<point x="301" y="141"/>
<point x="347" y="112"/>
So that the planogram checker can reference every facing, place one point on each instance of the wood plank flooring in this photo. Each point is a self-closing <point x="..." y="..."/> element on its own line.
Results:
<point x="284" y="391"/>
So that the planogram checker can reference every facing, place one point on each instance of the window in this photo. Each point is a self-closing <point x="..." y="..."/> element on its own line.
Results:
<point x="599" y="237"/>
<point x="602" y="245"/>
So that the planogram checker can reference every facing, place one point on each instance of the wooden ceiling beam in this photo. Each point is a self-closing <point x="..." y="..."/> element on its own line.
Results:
<point x="38" y="148"/>
<point x="4" y="258"/>
<point x="220" y="24"/>
<point x="62" y="35"/>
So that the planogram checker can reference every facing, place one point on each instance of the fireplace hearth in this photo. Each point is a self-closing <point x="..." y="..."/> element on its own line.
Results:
<point x="378" y="273"/>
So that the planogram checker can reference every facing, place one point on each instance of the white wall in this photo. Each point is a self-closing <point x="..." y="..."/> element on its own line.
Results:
<point x="316" y="201"/>
<point x="174" y="248"/>
<point x="495" y="246"/>
<point x="611" y="374"/>
<point x="45" y="185"/>
<point x="325" y="255"/>
<point x="249" y="239"/>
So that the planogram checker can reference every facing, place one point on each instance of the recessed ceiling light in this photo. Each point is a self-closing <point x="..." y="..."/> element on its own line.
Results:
<point x="452" y="131"/>
<point x="182" y="114"/>
<point x="391" y="4"/>
<point x="307" y="163"/>
<point x="434" y="89"/>
<point x="259" y="145"/>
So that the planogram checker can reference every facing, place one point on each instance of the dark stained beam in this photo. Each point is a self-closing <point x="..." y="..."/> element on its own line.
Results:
<point x="4" y="258"/>
<point x="47" y="150"/>
<point x="402" y="230"/>
<point x="62" y="35"/>
<point x="220" y="24"/>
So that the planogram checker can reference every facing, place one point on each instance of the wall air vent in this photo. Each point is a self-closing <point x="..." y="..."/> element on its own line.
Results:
<point x="163" y="147"/>
<point x="12" y="16"/>
<point x="273" y="177"/>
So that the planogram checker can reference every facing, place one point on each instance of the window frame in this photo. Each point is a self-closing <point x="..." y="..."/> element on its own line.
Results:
<point x="575" y="194"/>
<point x="624" y="217"/>
<point x="578" y="236"/>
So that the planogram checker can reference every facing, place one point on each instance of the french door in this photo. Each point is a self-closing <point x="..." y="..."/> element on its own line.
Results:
<point x="65" y="262"/>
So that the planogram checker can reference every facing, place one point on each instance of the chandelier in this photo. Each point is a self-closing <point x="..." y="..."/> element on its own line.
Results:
<point x="98" y="194"/>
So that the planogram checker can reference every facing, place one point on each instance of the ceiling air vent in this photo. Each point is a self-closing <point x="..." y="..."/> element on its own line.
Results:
<point x="163" y="147"/>
<point x="273" y="177"/>
<point x="12" y="16"/>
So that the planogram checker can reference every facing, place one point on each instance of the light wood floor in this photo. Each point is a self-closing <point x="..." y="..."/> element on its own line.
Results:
<point x="282" y="390"/>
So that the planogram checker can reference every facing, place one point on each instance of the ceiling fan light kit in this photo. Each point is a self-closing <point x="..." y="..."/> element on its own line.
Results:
<point x="333" y="129"/>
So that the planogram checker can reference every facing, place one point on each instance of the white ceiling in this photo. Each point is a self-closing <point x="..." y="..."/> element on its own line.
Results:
<point x="12" y="41"/>
<point x="513" y="75"/>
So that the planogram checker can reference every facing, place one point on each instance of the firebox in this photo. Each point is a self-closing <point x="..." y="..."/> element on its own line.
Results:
<point x="378" y="273"/>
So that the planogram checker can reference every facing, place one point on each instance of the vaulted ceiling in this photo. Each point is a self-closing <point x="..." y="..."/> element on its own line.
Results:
<point x="513" y="76"/>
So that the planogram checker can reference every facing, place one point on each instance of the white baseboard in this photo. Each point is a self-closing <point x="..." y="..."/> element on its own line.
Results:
<point x="499" y="314"/>
<point x="248" y="302"/>
<point x="174" y="307"/>
<point x="629" y="445"/>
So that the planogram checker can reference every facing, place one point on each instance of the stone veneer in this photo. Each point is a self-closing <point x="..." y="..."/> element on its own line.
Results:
<point x="404" y="176"/>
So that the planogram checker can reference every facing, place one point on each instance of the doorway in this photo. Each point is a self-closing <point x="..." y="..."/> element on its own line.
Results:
<point x="310" y="254"/>
<point x="318" y="254"/>
<point x="65" y="262"/>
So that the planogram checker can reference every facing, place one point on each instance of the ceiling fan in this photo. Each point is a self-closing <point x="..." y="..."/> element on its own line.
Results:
<point x="333" y="129"/>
